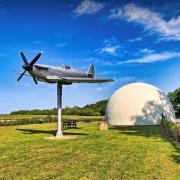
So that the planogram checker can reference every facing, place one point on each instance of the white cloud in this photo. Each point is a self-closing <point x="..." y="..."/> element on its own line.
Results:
<point x="112" y="50"/>
<point x="136" y="39"/>
<point x="109" y="47"/>
<point x="146" y="51"/>
<point x="88" y="7"/>
<point x="61" y="44"/>
<point x="151" y="58"/>
<point x="168" y="29"/>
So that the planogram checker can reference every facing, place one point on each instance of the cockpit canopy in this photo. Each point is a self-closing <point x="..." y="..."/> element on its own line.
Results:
<point x="65" y="66"/>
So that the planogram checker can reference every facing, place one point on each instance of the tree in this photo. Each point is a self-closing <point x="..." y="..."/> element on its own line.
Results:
<point x="174" y="97"/>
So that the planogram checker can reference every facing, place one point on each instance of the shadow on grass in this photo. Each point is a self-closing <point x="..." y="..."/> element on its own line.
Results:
<point x="52" y="132"/>
<point x="176" y="155"/>
<point x="147" y="131"/>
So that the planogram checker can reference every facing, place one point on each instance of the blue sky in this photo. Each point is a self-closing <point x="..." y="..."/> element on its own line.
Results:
<point x="130" y="41"/>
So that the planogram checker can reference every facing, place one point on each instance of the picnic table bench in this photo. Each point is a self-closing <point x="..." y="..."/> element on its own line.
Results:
<point x="69" y="123"/>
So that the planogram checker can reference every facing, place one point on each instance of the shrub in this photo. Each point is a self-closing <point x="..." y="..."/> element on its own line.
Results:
<point x="171" y="129"/>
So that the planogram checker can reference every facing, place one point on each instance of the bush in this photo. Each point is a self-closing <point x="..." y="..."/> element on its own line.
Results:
<point x="171" y="129"/>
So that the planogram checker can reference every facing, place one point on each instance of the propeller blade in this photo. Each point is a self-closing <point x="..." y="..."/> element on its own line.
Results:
<point x="24" y="58"/>
<point x="21" y="75"/>
<point x="35" y="59"/>
<point x="35" y="80"/>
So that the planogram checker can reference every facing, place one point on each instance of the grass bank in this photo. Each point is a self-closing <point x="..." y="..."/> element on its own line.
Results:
<point x="119" y="153"/>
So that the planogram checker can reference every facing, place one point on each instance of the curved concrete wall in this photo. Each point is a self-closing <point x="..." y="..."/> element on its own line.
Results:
<point x="138" y="104"/>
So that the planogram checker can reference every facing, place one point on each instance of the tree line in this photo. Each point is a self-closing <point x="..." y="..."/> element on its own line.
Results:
<point x="97" y="109"/>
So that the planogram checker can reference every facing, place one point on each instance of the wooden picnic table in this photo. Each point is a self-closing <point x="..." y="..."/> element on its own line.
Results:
<point x="69" y="123"/>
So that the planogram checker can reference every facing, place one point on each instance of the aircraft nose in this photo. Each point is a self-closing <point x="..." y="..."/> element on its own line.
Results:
<point x="27" y="67"/>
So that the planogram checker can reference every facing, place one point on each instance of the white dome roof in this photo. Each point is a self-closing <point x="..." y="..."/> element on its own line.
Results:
<point x="138" y="104"/>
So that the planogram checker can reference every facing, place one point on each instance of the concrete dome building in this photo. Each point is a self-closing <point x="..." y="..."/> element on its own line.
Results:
<point x="138" y="104"/>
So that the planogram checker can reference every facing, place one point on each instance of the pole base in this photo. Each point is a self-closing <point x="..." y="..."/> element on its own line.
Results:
<point x="59" y="134"/>
<point x="60" y="137"/>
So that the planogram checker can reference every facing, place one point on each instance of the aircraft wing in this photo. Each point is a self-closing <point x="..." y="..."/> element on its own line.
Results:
<point x="78" y="80"/>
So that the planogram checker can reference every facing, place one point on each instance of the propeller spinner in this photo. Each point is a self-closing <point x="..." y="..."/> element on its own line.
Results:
<point x="28" y="66"/>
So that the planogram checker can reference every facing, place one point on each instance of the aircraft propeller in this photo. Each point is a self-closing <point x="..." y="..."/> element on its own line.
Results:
<point x="28" y="66"/>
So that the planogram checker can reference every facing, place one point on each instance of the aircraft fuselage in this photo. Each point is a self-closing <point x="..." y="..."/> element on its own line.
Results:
<point x="41" y="72"/>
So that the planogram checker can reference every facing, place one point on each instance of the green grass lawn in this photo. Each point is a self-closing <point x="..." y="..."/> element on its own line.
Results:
<point x="119" y="153"/>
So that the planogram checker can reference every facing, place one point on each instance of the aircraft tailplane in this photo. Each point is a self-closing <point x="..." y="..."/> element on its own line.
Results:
<point x="91" y="71"/>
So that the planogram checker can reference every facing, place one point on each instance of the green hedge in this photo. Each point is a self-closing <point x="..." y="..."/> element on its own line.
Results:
<point x="171" y="129"/>
<point x="11" y="122"/>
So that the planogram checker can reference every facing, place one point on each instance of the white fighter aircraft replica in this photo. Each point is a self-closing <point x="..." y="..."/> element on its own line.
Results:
<point x="62" y="75"/>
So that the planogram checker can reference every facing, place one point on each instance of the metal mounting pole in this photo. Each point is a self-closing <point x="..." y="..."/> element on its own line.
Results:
<point x="59" y="108"/>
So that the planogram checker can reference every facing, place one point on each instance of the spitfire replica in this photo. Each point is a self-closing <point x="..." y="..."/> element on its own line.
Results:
<point x="61" y="75"/>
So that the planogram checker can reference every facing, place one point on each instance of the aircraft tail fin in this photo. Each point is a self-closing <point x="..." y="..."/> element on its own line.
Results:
<point x="91" y="71"/>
